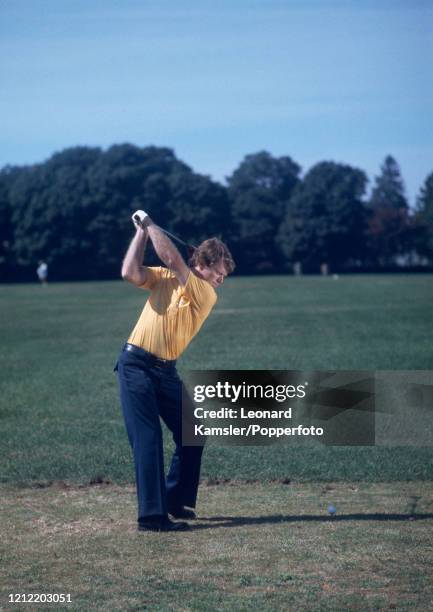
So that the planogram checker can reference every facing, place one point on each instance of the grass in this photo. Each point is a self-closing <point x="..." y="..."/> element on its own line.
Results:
<point x="266" y="546"/>
<point x="263" y="538"/>
<point x="368" y="322"/>
<point x="59" y="409"/>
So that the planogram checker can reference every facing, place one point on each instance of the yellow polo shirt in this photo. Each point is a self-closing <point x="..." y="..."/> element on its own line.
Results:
<point x="173" y="314"/>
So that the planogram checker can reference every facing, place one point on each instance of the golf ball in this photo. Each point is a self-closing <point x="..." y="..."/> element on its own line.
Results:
<point x="332" y="510"/>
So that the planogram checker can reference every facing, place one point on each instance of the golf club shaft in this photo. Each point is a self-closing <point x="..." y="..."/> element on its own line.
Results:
<point x="138" y="220"/>
<point x="175" y="237"/>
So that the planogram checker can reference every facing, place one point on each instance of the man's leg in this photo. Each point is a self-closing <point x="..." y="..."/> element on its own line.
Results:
<point x="140" y="411"/>
<point x="184" y="474"/>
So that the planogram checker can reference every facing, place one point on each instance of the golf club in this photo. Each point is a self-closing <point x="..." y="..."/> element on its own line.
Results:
<point x="139" y="217"/>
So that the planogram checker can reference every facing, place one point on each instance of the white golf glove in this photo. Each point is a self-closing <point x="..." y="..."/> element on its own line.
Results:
<point x="138" y="217"/>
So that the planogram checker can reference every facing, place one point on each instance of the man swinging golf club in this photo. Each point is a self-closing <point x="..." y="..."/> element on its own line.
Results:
<point x="181" y="298"/>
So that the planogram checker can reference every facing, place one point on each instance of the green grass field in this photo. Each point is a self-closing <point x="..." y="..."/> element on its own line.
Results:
<point x="59" y="409"/>
<point x="263" y="538"/>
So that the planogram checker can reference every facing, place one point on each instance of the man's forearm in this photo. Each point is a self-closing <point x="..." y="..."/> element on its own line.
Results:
<point x="132" y="269"/>
<point x="164" y="247"/>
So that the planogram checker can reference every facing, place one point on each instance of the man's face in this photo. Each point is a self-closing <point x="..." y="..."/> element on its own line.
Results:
<point x="215" y="274"/>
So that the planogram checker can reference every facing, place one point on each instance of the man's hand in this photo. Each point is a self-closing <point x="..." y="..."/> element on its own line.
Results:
<point x="140" y="219"/>
<point x="164" y="247"/>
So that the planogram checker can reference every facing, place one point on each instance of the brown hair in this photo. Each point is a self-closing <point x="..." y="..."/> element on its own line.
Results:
<point x="210" y="252"/>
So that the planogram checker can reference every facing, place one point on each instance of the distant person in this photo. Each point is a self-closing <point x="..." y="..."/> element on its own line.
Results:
<point x="297" y="268"/>
<point x="42" y="272"/>
<point x="324" y="269"/>
<point x="181" y="299"/>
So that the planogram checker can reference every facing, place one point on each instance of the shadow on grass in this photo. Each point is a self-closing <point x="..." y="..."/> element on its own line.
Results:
<point x="238" y="521"/>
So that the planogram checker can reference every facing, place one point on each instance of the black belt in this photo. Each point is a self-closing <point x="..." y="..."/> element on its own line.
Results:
<point x="149" y="357"/>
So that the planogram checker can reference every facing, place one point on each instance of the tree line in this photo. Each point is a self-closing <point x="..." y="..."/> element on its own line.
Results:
<point x="73" y="211"/>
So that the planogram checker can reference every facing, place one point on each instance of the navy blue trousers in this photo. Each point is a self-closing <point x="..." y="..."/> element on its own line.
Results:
<point x="148" y="392"/>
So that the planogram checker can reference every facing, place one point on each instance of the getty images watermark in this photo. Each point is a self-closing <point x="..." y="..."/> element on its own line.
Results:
<point x="260" y="407"/>
<point x="344" y="408"/>
<point x="268" y="423"/>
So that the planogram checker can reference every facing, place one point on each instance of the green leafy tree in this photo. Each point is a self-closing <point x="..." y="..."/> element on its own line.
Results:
<point x="259" y="190"/>
<point x="74" y="210"/>
<point x="423" y="219"/>
<point x="325" y="218"/>
<point x="127" y="177"/>
<point x="389" y="222"/>
<point x="7" y="266"/>
<point x="50" y="214"/>
<point x="198" y="208"/>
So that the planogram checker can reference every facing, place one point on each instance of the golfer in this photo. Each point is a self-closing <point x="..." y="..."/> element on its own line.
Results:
<point x="181" y="298"/>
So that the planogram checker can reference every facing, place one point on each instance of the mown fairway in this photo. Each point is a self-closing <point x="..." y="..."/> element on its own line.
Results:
<point x="59" y="409"/>
<point x="263" y="538"/>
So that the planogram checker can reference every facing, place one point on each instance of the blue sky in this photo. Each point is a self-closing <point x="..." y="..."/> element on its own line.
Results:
<point x="349" y="81"/>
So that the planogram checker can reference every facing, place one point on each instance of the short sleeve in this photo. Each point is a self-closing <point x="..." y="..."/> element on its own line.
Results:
<point x="153" y="275"/>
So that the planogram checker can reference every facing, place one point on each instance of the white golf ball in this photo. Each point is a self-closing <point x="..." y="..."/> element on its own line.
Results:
<point x="332" y="510"/>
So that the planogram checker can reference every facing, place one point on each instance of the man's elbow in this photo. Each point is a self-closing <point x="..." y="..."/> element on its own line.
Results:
<point x="134" y="277"/>
<point x="127" y="275"/>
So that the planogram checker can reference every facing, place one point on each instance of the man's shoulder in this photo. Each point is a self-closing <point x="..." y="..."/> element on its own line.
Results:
<point x="156" y="275"/>
<point x="200" y="287"/>
<point x="166" y="273"/>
